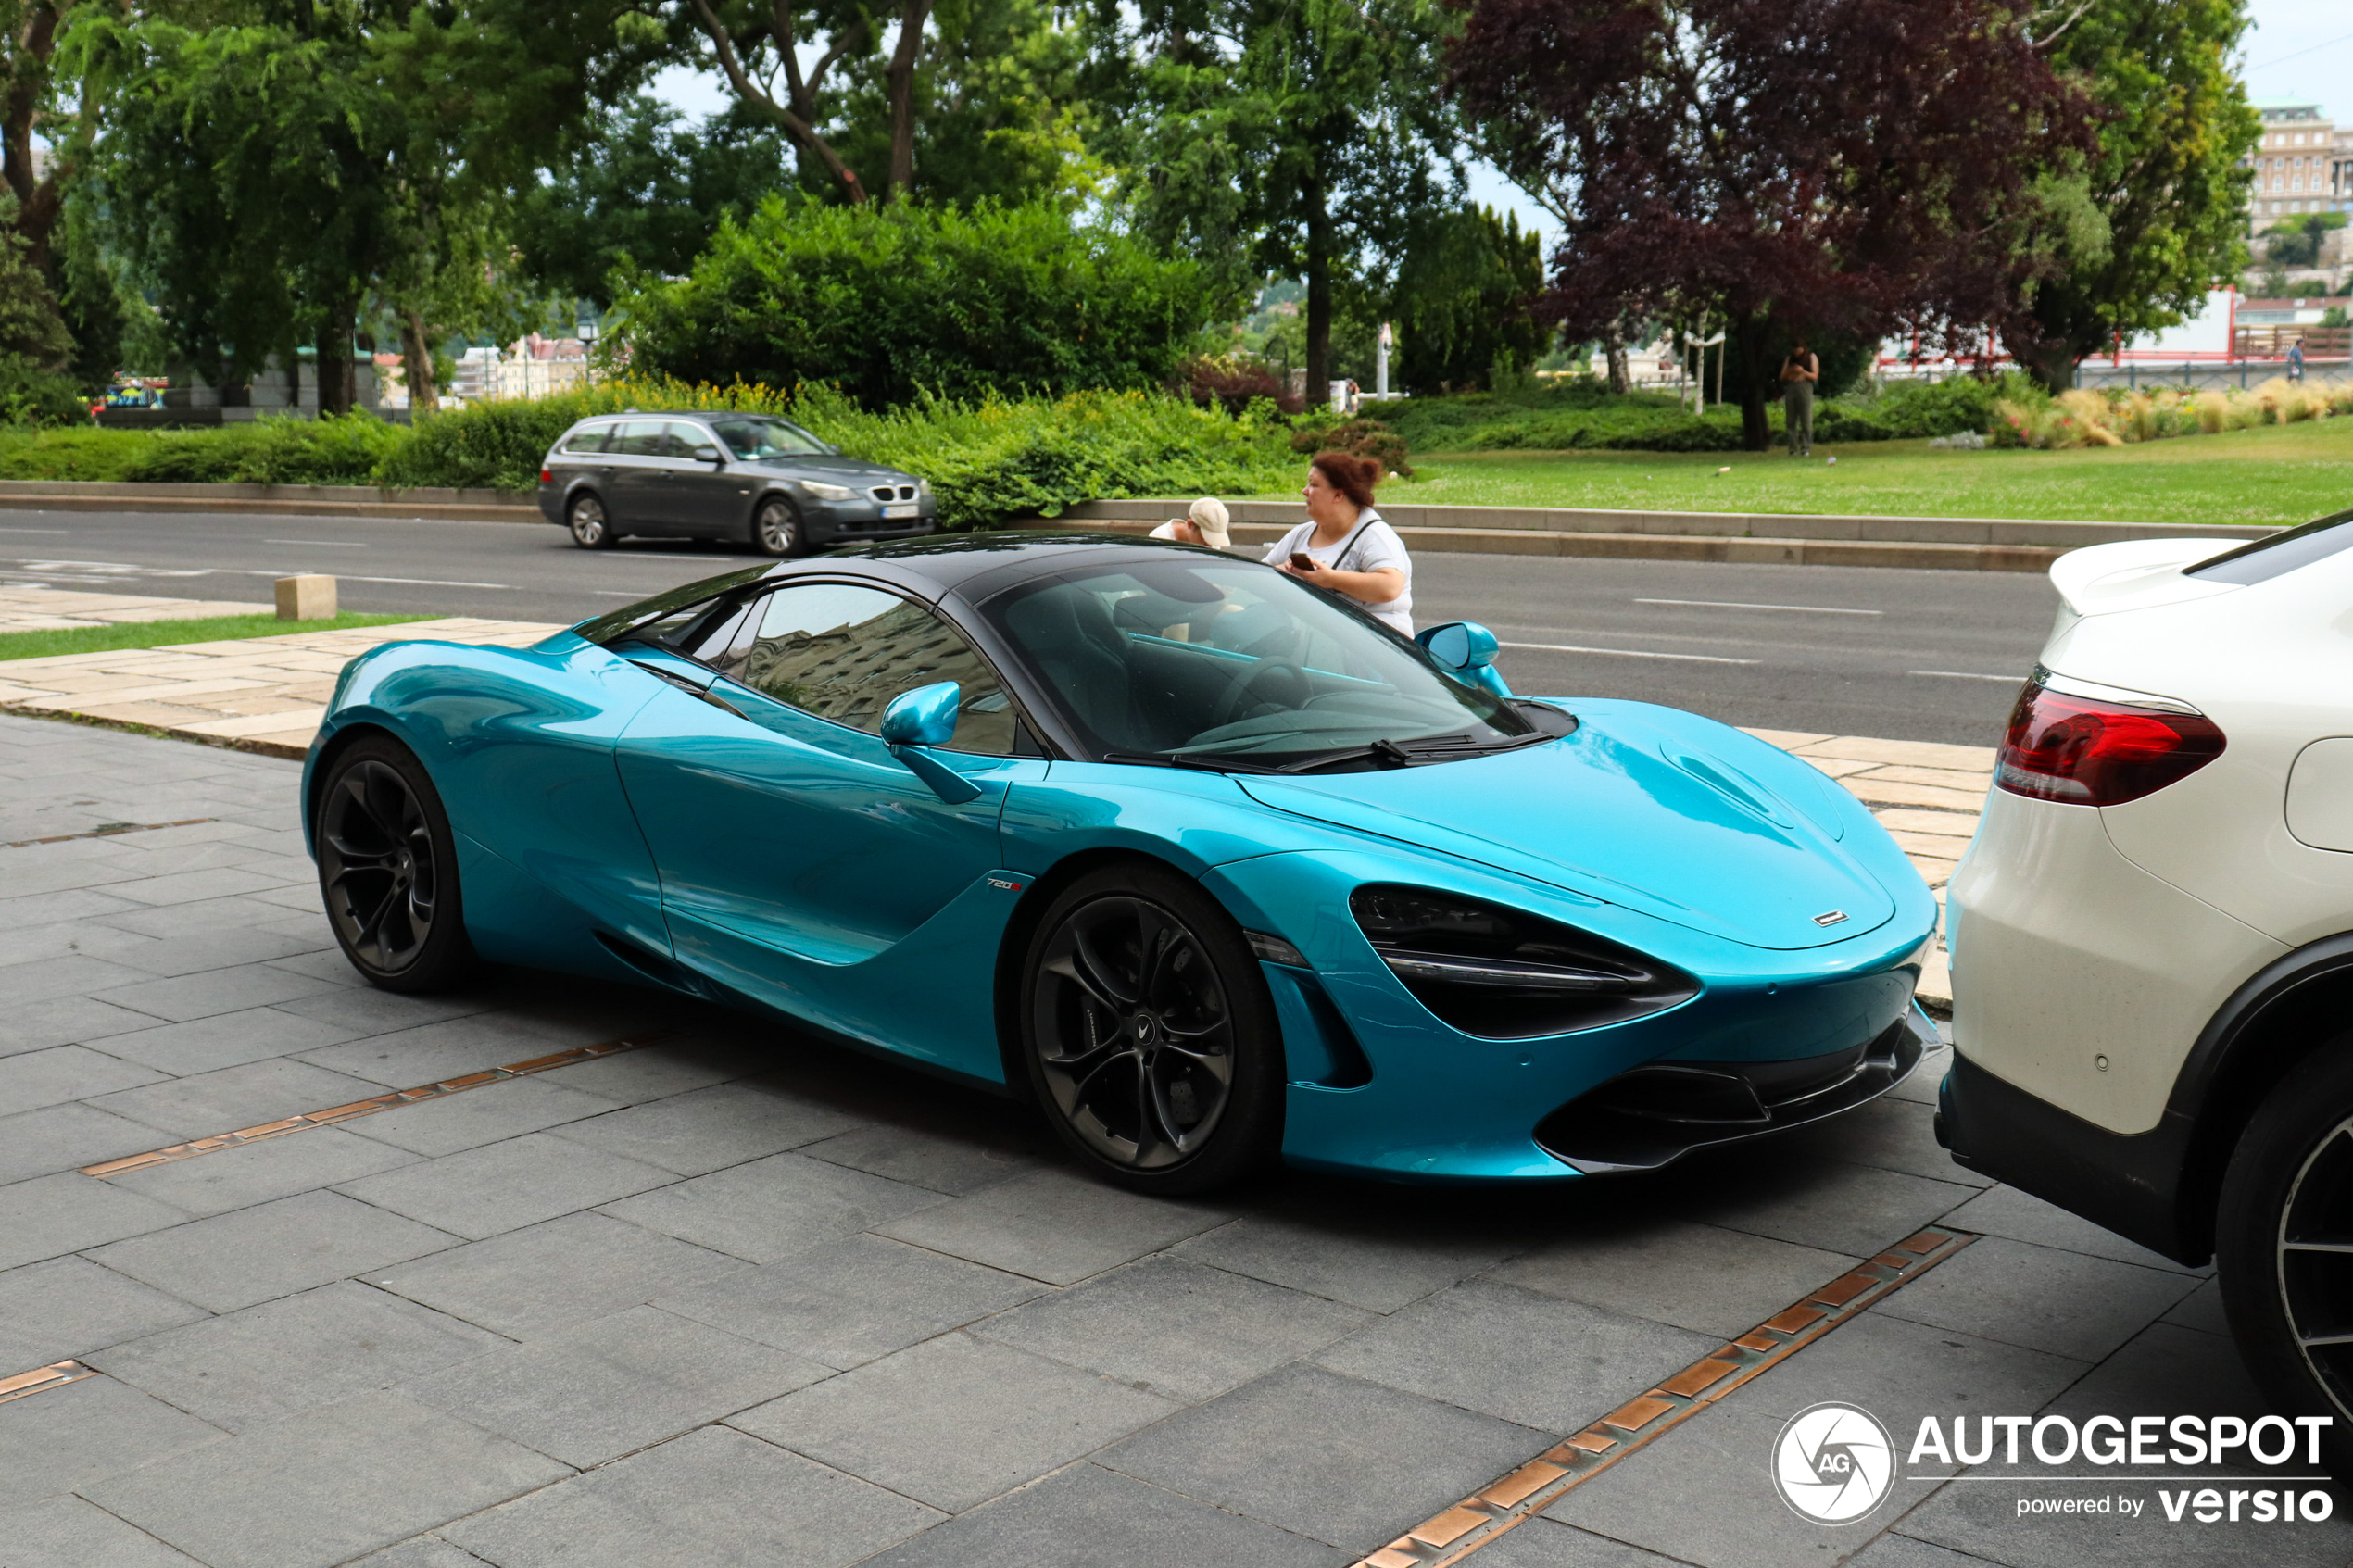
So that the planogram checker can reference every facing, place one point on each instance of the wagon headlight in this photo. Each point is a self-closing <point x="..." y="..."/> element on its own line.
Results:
<point x="1505" y="974"/>
<point x="828" y="491"/>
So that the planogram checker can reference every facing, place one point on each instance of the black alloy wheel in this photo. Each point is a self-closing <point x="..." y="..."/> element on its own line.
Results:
<point x="388" y="869"/>
<point x="775" y="529"/>
<point x="1149" y="1037"/>
<point x="2283" y="1246"/>
<point x="585" y="518"/>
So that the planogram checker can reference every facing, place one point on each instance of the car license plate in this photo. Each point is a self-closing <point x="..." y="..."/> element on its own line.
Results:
<point x="899" y="509"/>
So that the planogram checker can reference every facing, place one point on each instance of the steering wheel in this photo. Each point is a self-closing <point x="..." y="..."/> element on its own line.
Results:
<point x="1231" y="698"/>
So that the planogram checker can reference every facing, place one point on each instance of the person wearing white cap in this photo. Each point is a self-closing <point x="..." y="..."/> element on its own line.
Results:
<point x="1203" y="525"/>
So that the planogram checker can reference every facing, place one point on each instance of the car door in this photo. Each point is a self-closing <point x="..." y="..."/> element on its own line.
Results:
<point x="793" y="848"/>
<point x="702" y="497"/>
<point x="634" y="463"/>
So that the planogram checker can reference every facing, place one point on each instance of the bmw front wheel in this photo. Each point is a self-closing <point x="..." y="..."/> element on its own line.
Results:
<point x="1149" y="1037"/>
<point x="2283" y="1246"/>
<point x="777" y="529"/>
<point x="585" y="518"/>
<point x="388" y="869"/>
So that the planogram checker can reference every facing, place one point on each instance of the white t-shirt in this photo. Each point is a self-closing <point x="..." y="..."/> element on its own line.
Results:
<point x="1370" y="545"/>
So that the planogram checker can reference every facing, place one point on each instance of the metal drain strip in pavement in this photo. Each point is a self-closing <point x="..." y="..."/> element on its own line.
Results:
<point x="40" y="1380"/>
<point x="1461" y="1530"/>
<point x="110" y="830"/>
<point x="369" y="1106"/>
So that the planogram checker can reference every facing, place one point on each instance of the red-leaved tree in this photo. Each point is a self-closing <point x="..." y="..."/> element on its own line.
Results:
<point x="1851" y="165"/>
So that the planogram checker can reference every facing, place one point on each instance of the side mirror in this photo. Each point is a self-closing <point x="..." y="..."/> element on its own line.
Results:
<point x="922" y="718"/>
<point x="1465" y="650"/>
<point x="710" y="454"/>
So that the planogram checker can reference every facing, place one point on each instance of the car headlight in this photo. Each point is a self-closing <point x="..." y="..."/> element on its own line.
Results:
<point x="828" y="491"/>
<point x="1505" y="975"/>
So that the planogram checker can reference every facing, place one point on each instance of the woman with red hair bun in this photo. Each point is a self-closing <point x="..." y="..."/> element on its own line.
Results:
<point x="1345" y="547"/>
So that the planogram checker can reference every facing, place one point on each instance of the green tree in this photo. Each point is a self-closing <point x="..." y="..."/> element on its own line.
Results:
<point x="1464" y="300"/>
<point x="1301" y="138"/>
<point x="2140" y="227"/>
<point x="641" y="191"/>
<point x="2295" y="241"/>
<point x="292" y="165"/>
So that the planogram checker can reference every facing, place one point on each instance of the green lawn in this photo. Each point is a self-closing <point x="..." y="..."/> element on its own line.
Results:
<point x="2276" y="474"/>
<point x="161" y="634"/>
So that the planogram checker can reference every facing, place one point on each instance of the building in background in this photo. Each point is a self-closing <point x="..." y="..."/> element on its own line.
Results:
<point x="2304" y="164"/>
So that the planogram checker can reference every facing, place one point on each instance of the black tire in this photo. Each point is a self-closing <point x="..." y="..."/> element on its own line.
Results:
<point x="777" y="529"/>
<point x="2283" y="1246"/>
<point x="388" y="869"/>
<point x="591" y="528"/>
<point x="1149" y="1036"/>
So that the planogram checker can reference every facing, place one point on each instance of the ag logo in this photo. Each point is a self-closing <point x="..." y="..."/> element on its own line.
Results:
<point x="1833" y="1463"/>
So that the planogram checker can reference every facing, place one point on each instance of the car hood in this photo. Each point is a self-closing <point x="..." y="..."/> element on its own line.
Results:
<point x="836" y="466"/>
<point x="1719" y="839"/>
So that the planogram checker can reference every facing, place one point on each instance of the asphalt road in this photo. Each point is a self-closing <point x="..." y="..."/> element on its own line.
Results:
<point x="1933" y="655"/>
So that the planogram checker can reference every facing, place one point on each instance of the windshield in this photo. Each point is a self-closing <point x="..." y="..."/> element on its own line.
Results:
<point x="1212" y="663"/>
<point x="752" y="438"/>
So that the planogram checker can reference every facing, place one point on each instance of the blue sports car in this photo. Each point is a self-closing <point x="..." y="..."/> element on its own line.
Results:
<point x="1207" y="863"/>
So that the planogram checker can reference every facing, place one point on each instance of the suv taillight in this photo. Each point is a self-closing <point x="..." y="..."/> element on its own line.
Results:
<point x="2089" y="751"/>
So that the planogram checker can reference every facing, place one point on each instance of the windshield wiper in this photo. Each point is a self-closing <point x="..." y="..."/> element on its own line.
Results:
<point x="1201" y="764"/>
<point x="1407" y="754"/>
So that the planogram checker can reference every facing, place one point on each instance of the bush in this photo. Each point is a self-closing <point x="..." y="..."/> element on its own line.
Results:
<point x="890" y="302"/>
<point x="1361" y="438"/>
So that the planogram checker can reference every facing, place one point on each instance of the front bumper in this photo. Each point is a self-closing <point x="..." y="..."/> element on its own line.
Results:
<point x="857" y="522"/>
<point x="1381" y="1086"/>
<point x="1657" y="1113"/>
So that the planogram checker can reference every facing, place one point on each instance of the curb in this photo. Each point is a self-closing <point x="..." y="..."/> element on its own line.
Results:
<point x="1912" y="555"/>
<point x="82" y="501"/>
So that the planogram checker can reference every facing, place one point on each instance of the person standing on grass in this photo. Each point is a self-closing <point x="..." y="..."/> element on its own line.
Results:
<point x="1799" y="372"/>
<point x="1345" y="547"/>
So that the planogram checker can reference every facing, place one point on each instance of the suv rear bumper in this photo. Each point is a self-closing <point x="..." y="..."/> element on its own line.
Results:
<point x="2128" y="1183"/>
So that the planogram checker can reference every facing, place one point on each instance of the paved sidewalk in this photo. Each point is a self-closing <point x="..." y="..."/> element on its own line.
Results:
<point x="741" y="1298"/>
<point x="28" y="607"/>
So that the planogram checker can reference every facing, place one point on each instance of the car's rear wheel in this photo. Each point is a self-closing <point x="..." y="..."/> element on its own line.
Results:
<point x="1149" y="1037"/>
<point x="2283" y="1246"/>
<point x="590" y="528"/>
<point x="388" y="869"/>
<point x="777" y="529"/>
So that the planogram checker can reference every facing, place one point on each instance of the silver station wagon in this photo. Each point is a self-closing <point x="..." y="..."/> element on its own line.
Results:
<point x="737" y="476"/>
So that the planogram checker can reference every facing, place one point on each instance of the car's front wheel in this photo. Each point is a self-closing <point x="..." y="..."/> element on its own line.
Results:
<point x="1149" y="1035"/>
<point x="590" y="529"/>
<point x="2283" y="1246"/>
<point x="777" y="529"/>
<point x="388" y="869"/>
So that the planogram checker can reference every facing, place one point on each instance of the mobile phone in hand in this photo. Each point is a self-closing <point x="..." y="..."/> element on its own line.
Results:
<point x="1302" y="561"/>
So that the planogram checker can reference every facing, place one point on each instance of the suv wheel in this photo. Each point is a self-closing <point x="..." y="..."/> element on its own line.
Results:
<point x="776" y="531"/>
<point x="585" y="518"/>
<point x="2283" y="1246"/>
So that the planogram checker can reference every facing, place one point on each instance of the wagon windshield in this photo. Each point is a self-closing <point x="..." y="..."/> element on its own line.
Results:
<point x="751" y="439"/>
<point x="1216" y="663"/>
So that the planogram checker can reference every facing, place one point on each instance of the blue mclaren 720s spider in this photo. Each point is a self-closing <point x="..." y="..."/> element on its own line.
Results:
<point x="1212" y="866"/>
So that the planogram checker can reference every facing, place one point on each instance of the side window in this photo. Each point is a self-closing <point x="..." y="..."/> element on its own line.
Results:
<point x="640" y="438"/>
<point x="843" y="652"/>
<point x="589" y="440"/>
<point x="685" y="438"/>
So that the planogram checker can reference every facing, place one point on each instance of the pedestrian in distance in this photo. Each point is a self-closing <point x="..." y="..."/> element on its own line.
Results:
<point x="1204" y="523"/>
<point x="2295" y="360"/>
<point x="1799" y="372"/>
<point x="1345" y="547"/>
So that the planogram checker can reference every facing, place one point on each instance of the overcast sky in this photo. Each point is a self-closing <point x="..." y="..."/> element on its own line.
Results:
<point x="2296" y="49"/>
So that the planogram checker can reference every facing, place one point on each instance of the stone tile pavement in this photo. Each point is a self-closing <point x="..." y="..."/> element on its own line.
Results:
<point x="742" y="1297"/>
<point x="268" y="694"/>
<point x="28" y="606"/>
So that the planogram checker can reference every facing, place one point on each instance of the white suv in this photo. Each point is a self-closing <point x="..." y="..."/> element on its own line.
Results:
<point x="2152" y="934"/>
